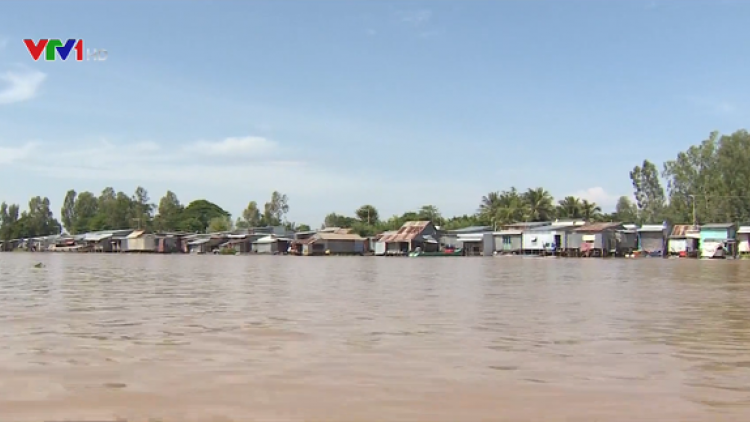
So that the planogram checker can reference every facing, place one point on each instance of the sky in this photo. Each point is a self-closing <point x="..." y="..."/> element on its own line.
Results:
<point x="342" y="103"/>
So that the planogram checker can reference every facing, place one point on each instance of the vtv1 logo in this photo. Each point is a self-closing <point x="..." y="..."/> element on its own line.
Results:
<point x="54" y="47"/>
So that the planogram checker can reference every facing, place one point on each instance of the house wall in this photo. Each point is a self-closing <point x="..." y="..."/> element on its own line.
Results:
<point x="449" y="239"/>
<point x="379" y="248"/>
<point x="508" y="242"/>
<point x="143" y="243"/>
<point x="474" y="248"/>
<point x="574" y="240"/>
<point x="651" y="241"/>
<point x="271" y="247"/>
<point x="743" y="242"/>
<point x="711" y="239"/>
<point x="629" y="240"/>
<point x="677" y="245"/>
<point x="542" y="237"/>
<point x="430" y="231"/>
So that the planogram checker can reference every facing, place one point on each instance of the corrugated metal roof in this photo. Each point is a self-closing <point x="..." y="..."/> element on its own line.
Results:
<point x="598" y="227"/>
<point x="96" y="237"/>
<point x="409" y="231"/>
<point x="471" y="229"/>
<point x="136" y="234"/>
<point x="508" y="233"/>
<point x="527" y="225"/>
<point x="717" y="226"/>
<point x="199" y="242"/>
<point x="339" y="236"/>
<point x="651" y="228"/>
<point x="684" y="230"/>
<point x="548" y="228"/>
<point x="743" y="230"/>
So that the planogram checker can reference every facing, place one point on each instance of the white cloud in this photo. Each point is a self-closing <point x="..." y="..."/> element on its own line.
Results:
<point x="20" y="86"/>
<point x="232" y="147"/>
<point x="598" y="195"/>
<point x="9" y="155"/>
<point x="206" y="164"/>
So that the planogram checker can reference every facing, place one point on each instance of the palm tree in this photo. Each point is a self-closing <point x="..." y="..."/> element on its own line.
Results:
<point x="590" y="210"/>
<point x="511" y="208"/>
<point x="539" y="202"/>
<point x="489" y="204"/>
<point x="569" y="207"/>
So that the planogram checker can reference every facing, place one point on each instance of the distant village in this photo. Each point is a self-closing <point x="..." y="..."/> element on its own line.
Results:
<point x="559" y="238"/>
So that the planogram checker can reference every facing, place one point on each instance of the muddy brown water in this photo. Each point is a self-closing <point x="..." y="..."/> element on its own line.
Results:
<point x="233" y="338"/>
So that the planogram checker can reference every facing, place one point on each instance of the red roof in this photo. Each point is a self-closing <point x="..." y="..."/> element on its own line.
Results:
<point x="409" y="231"/>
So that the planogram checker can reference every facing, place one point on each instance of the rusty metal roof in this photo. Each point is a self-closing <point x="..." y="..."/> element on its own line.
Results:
<point x="682" y="230"/>
<point x="338" y="236"/>
<point x="409" y="231"/>
<point x="597" y="227"/>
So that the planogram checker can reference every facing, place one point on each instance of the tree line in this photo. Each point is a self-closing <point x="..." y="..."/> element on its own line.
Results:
<point x="708" y="182"/>
<point x="86" y="212"/>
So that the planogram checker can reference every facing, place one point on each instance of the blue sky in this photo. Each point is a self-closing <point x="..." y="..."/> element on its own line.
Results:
<point x="340" y="103"/>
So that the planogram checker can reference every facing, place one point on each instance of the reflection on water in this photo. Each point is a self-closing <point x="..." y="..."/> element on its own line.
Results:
<point x="288" y="338"/>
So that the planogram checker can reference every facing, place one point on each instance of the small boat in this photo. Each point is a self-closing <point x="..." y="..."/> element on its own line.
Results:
<point x="449" y="252"/>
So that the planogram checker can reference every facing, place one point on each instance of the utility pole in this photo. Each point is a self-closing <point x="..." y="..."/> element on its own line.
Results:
<point x="695" y="219"/>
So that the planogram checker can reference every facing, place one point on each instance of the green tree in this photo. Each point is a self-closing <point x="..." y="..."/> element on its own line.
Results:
<point x="85" y="209"/>
<point x="143" y="209"/>
<point x="170" y="213"/>
<point x="199" y="213"/>
<point x="275" y="210"/>
<point x="590" y="211"/>
<point x="539" y="203"/>
<point x="429" y="213"/>
<point x="367" y="214"/>
<point x="251" y="216"/>
<point x="569" y="207"/>
<point x="67" y="212"/>
<point x="649" y="193"/>
<point x="625" y="210"/>
<point x="219" y="224"/>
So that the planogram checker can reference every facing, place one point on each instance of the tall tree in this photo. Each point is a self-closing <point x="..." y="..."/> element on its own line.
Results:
<point x="84" y="210"/>
<point x="67" y="212"/>
<point x="569" y="207"/>
<point x="142" y="209"/>
<point x="367" y="214"/>
<point x="251" y="216"/>
<point x="539" y="203"/>
<point x="199" y="213"/>
<point x="590" y="211"/>
<point x="429" y="213"/>
<point x="625" y="210"/>
<point x="648" y="192"/>
<point x="220" y="224"/>
<point x="169" y="213"/>
<point x="275" y="210"/>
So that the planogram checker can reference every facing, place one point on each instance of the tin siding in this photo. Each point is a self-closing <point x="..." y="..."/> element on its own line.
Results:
<point x="651" y="241"/>
<point x="713" y="234"/>
<point x="574" y="240"/>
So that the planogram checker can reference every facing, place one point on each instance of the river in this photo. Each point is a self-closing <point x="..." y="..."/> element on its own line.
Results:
<point x="242" y="338"/>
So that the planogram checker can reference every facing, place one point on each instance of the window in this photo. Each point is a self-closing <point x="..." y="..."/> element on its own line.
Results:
<point x="506" y="240"/>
